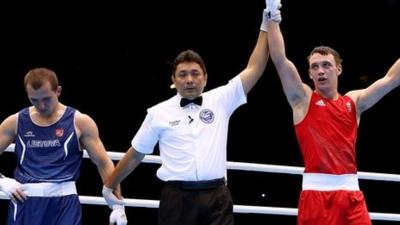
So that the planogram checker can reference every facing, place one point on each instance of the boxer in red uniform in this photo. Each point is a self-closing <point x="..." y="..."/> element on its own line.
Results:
<point x="326" y="125"/>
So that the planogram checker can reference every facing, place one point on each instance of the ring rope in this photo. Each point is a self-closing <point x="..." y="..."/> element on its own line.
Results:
<point x="145" y="203"/>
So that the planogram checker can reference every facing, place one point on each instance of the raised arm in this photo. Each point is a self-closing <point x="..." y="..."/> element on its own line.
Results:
<point x="288" y="74"/>
<point x="256" y="64"/>
<point x="366" y="98"/>
<point x="296" y="92"/>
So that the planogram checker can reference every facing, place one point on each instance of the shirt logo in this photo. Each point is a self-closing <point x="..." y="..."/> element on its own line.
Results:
<point x="207" y="116"/>
<point x="43" y="143"/>
<point x="174" y="123"/>
<point x="29" y="134"/>
<point x="320" y="103"/>
<point x="59" y="132"/>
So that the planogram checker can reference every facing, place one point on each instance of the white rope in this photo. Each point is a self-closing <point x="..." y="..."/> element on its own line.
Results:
<point x="238" y="208"/>
<point x="144" y="203"/>
<point x="265" y="168"/>
<point x="254" y="167"/>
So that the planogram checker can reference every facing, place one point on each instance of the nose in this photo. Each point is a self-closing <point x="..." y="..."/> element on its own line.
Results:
<point x="189" y="79"/>
<point x="320" y="70"/>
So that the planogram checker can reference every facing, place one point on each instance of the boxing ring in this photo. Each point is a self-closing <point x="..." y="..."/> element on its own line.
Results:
<point x="250" y="167"/>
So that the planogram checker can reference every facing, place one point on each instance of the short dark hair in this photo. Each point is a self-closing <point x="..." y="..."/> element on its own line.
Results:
<point x="325" y="50"/>
<point x="188" y="56"/>
<point x="38" y="76"/>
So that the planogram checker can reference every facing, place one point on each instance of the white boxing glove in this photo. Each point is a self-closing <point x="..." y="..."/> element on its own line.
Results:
<point x="273" y="12"/>
<point x="9" y="186"/>
<point x="264" y="24"/>
<point x="110" y="198"/>
<point x="273" y="5"/>
<point x="118" y="215"/>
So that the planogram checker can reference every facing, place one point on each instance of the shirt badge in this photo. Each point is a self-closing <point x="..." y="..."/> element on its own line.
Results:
<point x="207" y="116"/>
<point x="348" y="106"/>
<point x="59" y="132"/>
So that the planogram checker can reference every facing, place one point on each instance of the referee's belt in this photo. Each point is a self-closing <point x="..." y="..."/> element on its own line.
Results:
<point x="196" y="185"/>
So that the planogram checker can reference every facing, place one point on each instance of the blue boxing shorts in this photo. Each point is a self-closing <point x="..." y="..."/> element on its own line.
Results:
<point x="47" y="204"/>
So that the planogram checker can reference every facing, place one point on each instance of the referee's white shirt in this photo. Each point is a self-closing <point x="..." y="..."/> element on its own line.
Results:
<point x="192" y="139"/>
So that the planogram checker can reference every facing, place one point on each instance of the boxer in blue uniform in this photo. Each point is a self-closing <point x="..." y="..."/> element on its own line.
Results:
<point x="49" y="138"/>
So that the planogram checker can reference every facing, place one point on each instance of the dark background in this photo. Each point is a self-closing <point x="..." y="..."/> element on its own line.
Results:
<point x="112" y="61"/>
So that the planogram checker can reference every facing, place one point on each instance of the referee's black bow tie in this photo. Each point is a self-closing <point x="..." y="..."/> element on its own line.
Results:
<point x="197" y="101"/>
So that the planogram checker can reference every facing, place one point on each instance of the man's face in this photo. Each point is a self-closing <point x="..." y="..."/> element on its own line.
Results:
<point x="189" y="80"/>
<point x="324" y="71"/>
<point x="43" y="99"/>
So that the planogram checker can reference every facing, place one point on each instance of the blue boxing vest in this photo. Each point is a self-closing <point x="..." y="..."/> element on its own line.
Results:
<point x="47" y="153"/>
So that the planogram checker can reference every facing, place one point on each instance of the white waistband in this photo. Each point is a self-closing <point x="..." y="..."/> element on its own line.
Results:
<point x="49" y="189"/>
<point x="330" y="182"/>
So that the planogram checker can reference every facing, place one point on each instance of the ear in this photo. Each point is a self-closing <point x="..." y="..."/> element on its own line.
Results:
<point x="205" y="80"/>
<point x="58" y="91"/>
<point x="173" y="79"/>
<point x="309" y="74"/>
<point x="340" y="69"/>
